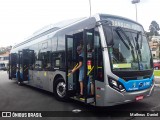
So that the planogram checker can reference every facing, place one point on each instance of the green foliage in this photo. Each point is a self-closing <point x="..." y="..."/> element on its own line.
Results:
<point x="2" y="52"/>
<point x="149" y="36"/>
<point x="156" y="72"/>
<point x="154" y="28"/>
<point x="5" y="49"/>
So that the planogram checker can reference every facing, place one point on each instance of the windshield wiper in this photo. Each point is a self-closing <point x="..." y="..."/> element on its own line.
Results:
<point x="137" y="38"/>
<point x="129" y="42"/>
<point x="138" y="47"/>
<point x="122" y="39"/>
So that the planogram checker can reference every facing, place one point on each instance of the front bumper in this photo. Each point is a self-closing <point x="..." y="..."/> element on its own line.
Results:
<point x="113" y="97"/>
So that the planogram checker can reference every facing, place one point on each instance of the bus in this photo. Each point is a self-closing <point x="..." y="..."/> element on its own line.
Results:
<point x="118" y="65"/>
<point x="4" y="62"/>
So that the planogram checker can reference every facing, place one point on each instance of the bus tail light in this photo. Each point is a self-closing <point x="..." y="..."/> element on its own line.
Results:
<point x="116" y="85"/>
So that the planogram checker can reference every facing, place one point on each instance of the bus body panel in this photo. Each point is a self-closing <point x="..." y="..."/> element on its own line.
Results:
<point x="113" y="97"/>
<point x="44" y="79"/>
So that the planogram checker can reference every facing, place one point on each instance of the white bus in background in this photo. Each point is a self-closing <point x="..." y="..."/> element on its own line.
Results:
<point x="4" y="60"/>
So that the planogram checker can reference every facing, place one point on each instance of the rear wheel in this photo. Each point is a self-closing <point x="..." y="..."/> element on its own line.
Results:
<point x="60" y="89"/>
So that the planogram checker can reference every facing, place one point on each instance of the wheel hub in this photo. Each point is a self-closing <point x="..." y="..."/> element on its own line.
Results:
<point x="61" y="89"/>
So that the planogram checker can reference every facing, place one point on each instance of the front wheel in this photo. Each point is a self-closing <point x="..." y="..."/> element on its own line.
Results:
<point x="60" y="90"/>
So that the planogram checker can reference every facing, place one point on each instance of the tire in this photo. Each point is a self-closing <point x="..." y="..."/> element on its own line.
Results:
<point x="59" y="89"/>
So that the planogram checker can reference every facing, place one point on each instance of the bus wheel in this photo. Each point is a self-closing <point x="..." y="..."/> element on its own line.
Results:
<point x="60" y="89"/>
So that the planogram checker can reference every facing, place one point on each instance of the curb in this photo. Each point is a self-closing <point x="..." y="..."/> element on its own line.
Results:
<point x="157" y="85"/>
<point x="156" y="76"/>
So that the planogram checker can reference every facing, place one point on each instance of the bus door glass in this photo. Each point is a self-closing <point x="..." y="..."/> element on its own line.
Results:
<point x="98" y="70"/>
<point x="31" y="64"/>
<point x="70" y="64"/>
<point x="88" y="40"/>
<point x="25" y="64"/>
<point x="12" y="65"/>
<point x="98" y="58"/>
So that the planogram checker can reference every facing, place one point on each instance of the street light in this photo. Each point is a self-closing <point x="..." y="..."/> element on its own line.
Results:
<point x="135" y="2"/>
<point x="90" y="10"/>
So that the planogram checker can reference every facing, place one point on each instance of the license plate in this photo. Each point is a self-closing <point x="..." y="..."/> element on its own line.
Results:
<point x="139" y="97"/>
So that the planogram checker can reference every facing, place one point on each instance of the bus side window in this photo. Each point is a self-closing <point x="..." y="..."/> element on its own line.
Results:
<point x="38" y="65"/>
<point x="33" y="56"/>
<point x="58" y="60"/>
<point x="98" y="58"/>
<point x="44" y="57"/>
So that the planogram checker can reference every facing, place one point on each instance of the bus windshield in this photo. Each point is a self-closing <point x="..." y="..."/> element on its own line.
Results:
<point x="130" y="50"/>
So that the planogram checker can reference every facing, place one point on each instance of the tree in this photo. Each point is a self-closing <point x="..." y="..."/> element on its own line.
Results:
<point x="149" y="35"/>
<point x="154" y="28"/>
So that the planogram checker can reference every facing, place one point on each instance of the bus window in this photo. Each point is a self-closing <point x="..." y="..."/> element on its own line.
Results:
<point x="38" y="65"/>
<point x="54" y="44"/>
<point x="34" y="56"/>
<point x="44" y="57"/>
<point x="32" y="59"/>
<point x="61" y="43"/>
<point x="58" y="60"/>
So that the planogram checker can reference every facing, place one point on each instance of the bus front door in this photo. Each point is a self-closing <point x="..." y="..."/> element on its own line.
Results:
<point x="88" y="60"/>
<point x="70" y="55"/>
<point x="12" y="65"/>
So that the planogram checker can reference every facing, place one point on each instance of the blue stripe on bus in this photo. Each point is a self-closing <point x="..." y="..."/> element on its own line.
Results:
<point x="132" y="85"/>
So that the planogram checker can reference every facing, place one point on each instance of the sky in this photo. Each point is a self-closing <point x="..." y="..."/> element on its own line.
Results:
<point x="19" y="19"/>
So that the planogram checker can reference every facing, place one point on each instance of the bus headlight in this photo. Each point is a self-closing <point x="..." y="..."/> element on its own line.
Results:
<point x="113" y="82"/>
<point x="116" y="85"/>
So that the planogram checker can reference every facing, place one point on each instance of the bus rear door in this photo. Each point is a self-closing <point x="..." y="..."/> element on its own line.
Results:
<point x="26" y="61"/>
<point x="12" y="65"/>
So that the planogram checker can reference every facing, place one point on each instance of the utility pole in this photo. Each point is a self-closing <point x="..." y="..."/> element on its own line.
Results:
<point x="135" y="2"/>
<point x="90" y="8"/>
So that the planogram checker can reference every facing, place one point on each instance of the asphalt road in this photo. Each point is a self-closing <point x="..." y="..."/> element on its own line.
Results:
<point x="26" y="98"/>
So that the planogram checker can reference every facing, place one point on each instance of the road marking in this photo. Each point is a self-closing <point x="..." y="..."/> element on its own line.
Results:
<point x="157" y="85"/>
<point x="76" y="110"/>
<point x="157" y="77"/>
<point x="152" y="109"/>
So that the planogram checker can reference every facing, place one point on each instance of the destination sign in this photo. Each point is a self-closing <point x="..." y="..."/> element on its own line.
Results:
<point x="123" y="23"/>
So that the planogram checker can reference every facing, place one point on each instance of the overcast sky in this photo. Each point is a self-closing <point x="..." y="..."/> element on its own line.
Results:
<point x="19" y="19"/>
